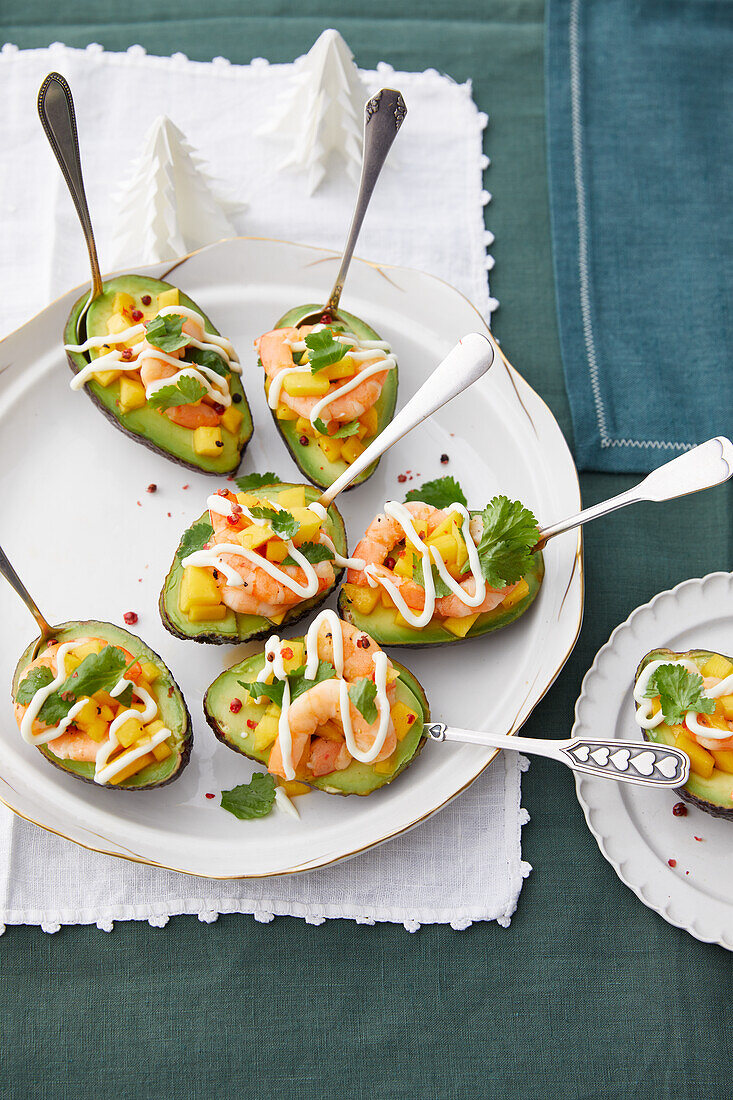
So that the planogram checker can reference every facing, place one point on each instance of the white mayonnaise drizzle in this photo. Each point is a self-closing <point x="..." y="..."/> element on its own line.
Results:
<point x="430" y="554"/>
<point x="103" y="771"/>
<point x="215" y="385"/>
<point x="285" y="804"/>
<point x="273" y="649"/>
<point x="649" y="721"/>
<point x="361" y="350"/>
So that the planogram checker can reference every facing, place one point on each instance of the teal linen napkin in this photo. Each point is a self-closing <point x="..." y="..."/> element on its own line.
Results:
<point x="640" y="133"/>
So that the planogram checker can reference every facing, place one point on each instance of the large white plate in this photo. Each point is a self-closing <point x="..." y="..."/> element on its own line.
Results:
<point x="635" y="828"/>
<point x="91" y="543"/>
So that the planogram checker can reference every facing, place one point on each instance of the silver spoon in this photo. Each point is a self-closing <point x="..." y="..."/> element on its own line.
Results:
<point x="708" y="464"/>
<point x="384" y="113"/>
<point x="640" y="762"/>
<point x="56" y="111"/>
<point x="7" y="571"/>
<point x="468" y="360"/>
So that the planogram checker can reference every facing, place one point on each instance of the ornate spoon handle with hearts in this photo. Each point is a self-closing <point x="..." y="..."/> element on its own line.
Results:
<point x="638" y="762"/>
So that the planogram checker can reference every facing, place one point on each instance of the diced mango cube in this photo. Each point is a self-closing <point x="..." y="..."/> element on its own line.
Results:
<point x="132" y="394"/>
<point x="117" y="323"/>
<point x="71" y="662"/>
<point x="256" y="535"/>
<point x="330" y="731"/>
<point x="330" y="447"/>
<point x="86" y="648"/>
<point x="384" y="767"/>
<point x="717" y="666"/>
<point x="207" y="441"/>
<point x="292" y="498"/>
<point x="304" y="384"/>
<point x="385" y="598"/>
<point x="403" y="718"/>
<point x="303" y="426"/>
<point x="345" y="368"/>
<point x="266" y="731"/>
<point x="405" y="564"/>
<point x="106" y="377"/>
<point x="277" y="619"/>
<point x="362" y="599"/>
<point x="122" y="301"/>
<point x="460" y="626"/>
<point x="150" y="671"/>
<point x="130" y="731"/>
<point x="162" y="751"/>
<point x="702" y="762"/>
<point x="516" y="594"/>
<point x="204" y="613"/>
<point x="370" y="420"/>
<point x="133" y="768"/>
<point x="90" y="720"/>
<point x="725" y="702"/>
<point x="248" y="500"/>
<point x="445" y="545"/>
<point x="297" y="655"/>
<point x="310" y="525"/>
<point x="197" y="587"/>
<point x="169" y="298"/>
<point x="293" y="789"/>
<point x="282" y="412"/>
<point x="351" y="449"/>
<point x="724" y="760"/>
<point x="231" y="419"/>
<point x="276" y="551"/>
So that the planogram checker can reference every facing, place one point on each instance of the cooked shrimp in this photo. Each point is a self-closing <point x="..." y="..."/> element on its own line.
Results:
<point x="277" y="356"/>
<point x="452" y="607"/>
<point x="75" y="746"/>
<point x="384" y="533"/>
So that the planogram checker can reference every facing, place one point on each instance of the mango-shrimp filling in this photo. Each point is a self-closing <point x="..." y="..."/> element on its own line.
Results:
<point x="328" y="381"/>
<point x="349" y="712"/>
<point x="166" y="360"/>
<point x="263" y="557"/>
<point x="116" y="727"/>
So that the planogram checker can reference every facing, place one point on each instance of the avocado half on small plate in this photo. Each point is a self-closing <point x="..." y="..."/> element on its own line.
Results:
<point x="363" y="608"/>
<point x="301" y="441"/>
<point x="710" y="786"/>
<point x="185" y="620"/>
<point x="251" y="729"/>
<point x="172" y="709"/>
<point x="215" y="450"/>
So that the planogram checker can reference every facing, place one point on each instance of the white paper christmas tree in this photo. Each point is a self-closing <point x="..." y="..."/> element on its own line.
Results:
<point x="322" y="113"/>
<point x="169" y="205"/>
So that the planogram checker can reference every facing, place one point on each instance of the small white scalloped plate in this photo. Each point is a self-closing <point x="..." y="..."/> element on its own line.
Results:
<point x="90" y="542"/>
<point x="635" y="828"/>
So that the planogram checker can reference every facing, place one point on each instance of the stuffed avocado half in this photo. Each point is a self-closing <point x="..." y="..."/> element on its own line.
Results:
<point x="346" y="426"/>
<point x="315" y="712"/>
<point x="188" y="402"/>
<point x="133" y="732"/>
<point x="429" y="572"/>
<point x="198" y="601"/>
<point x="686" y="700"/>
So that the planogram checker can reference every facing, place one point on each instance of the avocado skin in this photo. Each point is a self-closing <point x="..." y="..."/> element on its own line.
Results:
<point x="249" y="628"/>
<point x="115" y="635"/>
<point x="387" y="632"/>
<point x="704" y="787"/>
<point x="136" y="284"/>
<point x="311" y="460"/>
<point x="218" y="716"/>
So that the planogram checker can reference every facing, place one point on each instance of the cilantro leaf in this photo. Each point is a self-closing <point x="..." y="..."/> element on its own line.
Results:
<point x="283" y="523"/>
<point x="508" y="534"/>
<point x="250" y="800"/>
<point x="273" y="691"/>
<point x="342" y="433"/>
<point x="202" y="357"/>
<point x="256" y="481"/>
<point x="363" y="695"/>
<point x="299" y="684"/>
<point x="324" y="349"/>
<point x="186" y="391"/>
<point x="312" y="552"/>
<point x="125" y="697"/>
<point x="440" y="493"/>
<point x="166" y="332"/>
<point x="97" y="672"/>
<point x="441" y="588"/>
<point x="38" y="677"/>
<point x="194" y="538"/>
<point x="679" y="691"/>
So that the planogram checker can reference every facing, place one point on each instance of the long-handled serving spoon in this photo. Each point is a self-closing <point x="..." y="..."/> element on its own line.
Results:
<point x="7" y="571"/>
<point x="638" y="762"/>
<point x="384" y="113"/>
<point x="56" y="111"/>
<point x="702" y="467"/>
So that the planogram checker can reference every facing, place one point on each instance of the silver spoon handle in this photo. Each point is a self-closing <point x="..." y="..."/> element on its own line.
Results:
<point x="700" y="468"/>
<point x="56" y="111"/>
<point x="640" y="762"/>
<point x="7" y="571"/>
<point x="469" y="359"/>
<point x="384" y="113"/>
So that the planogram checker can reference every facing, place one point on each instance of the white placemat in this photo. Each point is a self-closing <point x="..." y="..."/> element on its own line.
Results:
<point x="465" y="864"/>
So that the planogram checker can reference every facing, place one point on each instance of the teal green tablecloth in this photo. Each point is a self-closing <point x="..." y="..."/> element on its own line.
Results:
<point x="587" y="994"/>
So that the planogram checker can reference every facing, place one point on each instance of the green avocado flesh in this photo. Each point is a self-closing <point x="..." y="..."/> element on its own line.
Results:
<point x="235" y="627"/>
<point x="382" y="623"/>
<point x="713" y="795"/>
<point x="358" y="778"/>
<point x="309" y="457"/>
<point x="171" y="707"/>
<point x="149" y="426"/>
